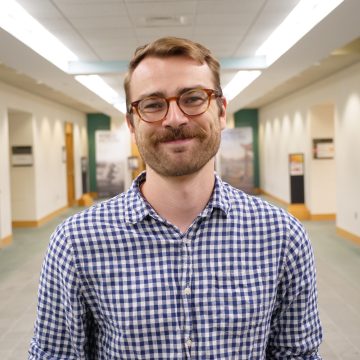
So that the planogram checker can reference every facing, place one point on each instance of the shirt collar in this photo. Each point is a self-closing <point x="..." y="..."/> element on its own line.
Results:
<point x="220" y="198"/>
<point x="137" y="208"/>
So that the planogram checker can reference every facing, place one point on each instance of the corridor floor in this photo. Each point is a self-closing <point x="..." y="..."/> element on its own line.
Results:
<point x="338" y="269"/>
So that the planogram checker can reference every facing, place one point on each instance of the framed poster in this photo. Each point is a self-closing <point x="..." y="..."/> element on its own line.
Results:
<point x="323" y="148"/>
<point x="21" y="156"/>
<point x="110" y="163"/>
<point x="236" y="158"/>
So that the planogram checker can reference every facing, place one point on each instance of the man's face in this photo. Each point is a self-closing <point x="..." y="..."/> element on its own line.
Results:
<point x="179" y="145"/>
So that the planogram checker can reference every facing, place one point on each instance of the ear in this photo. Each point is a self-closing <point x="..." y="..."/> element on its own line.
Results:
<point x="130" y="122"/>
<point x="222" y="113"/>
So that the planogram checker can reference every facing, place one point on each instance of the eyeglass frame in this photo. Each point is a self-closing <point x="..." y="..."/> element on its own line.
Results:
<point x="209" y="92"/>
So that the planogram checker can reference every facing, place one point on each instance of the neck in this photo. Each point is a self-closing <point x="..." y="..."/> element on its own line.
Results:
<point x="179" y="199"/>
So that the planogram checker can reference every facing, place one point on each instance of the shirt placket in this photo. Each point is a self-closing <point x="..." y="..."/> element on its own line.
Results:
<point x="186" y="295"/>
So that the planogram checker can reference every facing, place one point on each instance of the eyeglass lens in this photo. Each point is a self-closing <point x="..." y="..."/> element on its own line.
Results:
<point x="193" y="102"/>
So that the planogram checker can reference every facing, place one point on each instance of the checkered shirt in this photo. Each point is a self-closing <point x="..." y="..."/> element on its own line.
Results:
<point x="120" y="282"/>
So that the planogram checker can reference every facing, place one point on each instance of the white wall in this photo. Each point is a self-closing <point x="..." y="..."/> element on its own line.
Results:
<point x="5" y="199"/>
<point x="119" y="126"/>
<point x="285" y="127"/>
<point x="348" y="155"/>
<point x="48" y="139"/>
<point x="22" y="178"/>
<point x="322" y="172"/>
<point x="282" y="131"/>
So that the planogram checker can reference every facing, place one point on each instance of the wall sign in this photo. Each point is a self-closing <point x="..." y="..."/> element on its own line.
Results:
<point x="323" y="148"/>
<point x="297" y="184"/>
<point x="21" y="156"/>
<point x="296" y="164"/>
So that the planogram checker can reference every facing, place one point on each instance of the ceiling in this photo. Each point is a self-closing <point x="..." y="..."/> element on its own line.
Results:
<point x="110" y="30"/>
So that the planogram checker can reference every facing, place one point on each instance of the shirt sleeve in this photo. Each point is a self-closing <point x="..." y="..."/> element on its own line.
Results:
<point x="61" y="322"/>
<point x="295" y="328"/>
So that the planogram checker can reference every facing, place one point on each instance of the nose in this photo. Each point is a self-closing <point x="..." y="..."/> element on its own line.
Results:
<point x="174" y="117"/>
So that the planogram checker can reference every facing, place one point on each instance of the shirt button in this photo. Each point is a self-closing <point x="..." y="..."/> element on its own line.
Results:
<point x="188" y="342"/>
<point x="187" y="291"/>
<point x="187" y="241"/>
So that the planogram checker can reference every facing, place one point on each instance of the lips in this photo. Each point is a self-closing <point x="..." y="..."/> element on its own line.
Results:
<point x="176" y="139"/>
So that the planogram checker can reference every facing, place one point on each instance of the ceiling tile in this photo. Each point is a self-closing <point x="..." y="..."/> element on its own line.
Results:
<point x="216" y="30"/>
<point x="242" y="7"/>
<point x="101" y="22"/>
<point x="184" y="32"/>
<point x="108" y="33"/>
<point x="93" y="9"/>
<point x="221" y="19"/>
<point x="160" y="8"/>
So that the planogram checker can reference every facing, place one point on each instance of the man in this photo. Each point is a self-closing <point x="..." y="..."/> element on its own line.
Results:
<point x="181" y="266"/>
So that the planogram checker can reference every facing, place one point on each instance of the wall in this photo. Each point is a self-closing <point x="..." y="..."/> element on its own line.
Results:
<point x="22" y="178"/>
<point x="119" y="125"/>
<point x="282" y="131"/>
<point x="48" y="119"/>
<point x="322" y="172"/>
<point x="285" y="128"/>
<point x="5" y="198"/>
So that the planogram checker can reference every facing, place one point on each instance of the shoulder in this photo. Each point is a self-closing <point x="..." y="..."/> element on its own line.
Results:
<point x="108" y="211"/>
<point x="262" y="216"/>
<point x="101" y="221"/>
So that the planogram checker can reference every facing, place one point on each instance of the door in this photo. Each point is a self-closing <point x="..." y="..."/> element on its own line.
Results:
<point x="70" y="174"/>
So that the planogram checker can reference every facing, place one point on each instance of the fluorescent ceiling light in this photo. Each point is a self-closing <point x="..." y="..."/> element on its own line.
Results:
<point x="98" y="86"/>
<point x="121" y="106"/>
<point x="305" y="15"/>
<point x="239" y="82"/>
<point x="16" y="21"/>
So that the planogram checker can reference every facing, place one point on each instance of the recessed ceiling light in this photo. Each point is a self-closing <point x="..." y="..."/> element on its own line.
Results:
<point x="159" y="21"/>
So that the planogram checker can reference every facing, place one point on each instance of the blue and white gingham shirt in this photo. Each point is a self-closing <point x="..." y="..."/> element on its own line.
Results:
<point x="120" y="282"/>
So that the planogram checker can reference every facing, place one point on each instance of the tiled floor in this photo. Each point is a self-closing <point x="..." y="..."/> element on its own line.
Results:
<point x="338" y="264"/>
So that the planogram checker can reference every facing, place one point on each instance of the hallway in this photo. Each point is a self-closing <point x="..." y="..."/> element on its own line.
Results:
<point x="338" y="266"/>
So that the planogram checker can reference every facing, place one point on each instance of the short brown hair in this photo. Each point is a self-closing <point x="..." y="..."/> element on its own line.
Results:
<point x="169" y="47"/>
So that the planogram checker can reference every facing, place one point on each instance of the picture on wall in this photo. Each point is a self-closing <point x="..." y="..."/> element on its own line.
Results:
<point x="21" y="156"/>
<point x="110" y="163"/>
<point x="236" y="158"/>
<point x="323" y="148"/>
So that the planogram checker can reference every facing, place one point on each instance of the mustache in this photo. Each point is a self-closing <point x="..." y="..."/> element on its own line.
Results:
<point x="179" y="133"/>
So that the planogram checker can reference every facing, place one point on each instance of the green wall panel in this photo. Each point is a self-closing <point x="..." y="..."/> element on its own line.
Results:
<point x="95" y="122"/>
<point x="246" y="118"/>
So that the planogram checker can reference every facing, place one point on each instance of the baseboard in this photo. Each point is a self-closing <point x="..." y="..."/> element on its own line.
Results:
<point x="6" y="241"/>
<point x="93" y="194"/>
<point x="300" y="211"/>
<point x="348" y="235"/>
<point x="276" y="199"/>
<point x="86" y="200"/>
<point x="323" y="217"/>
<point x="37" y="223"/>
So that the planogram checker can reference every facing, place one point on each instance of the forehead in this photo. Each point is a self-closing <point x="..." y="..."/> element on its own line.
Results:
<point x="168" y="75"/>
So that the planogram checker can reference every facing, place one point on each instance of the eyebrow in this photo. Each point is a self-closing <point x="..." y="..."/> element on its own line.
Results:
<point x="180" y="91"/>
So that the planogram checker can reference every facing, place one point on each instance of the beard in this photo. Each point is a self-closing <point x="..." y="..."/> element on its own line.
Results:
<point x="182" y="159"/>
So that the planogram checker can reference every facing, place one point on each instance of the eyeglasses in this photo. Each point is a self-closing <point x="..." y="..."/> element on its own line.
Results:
<point x="192" y="103"/>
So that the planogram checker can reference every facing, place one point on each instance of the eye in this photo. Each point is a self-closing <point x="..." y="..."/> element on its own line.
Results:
<point x="152" y="105"/>
<point x="193" y="98"/>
